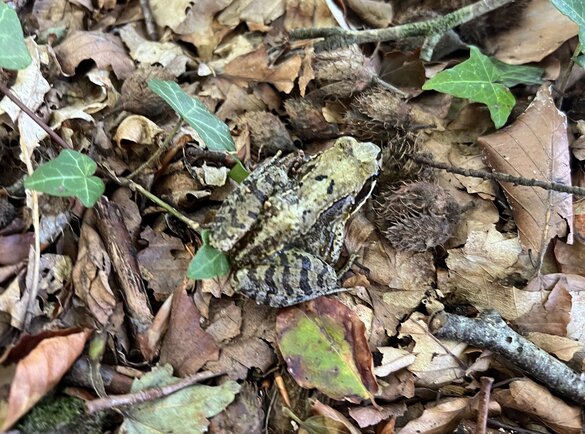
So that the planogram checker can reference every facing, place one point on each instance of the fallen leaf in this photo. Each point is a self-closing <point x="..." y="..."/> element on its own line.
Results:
<point x="368" y="416"/>
<point x="563" y="348"/>
<point x="442" y="418"/>
<point x="535" y="146"/>
<point x="375" y="13"/>
<point x="437" y="362"/>
<point x="393" y="359"/>
<point x="334" y="416"/>
<point x="37" y="372"/>
<point x="339" y="363"/>
<point x="186" y="346"/>
<point x="255" y="66"/>
<point x="535" y="400"/>
<point x="183" y="412"/>
<point x="163" y="263"/>
<point x="255" y="13"/>
<point x="91" y="275"/>
<point x="104" y="49"/>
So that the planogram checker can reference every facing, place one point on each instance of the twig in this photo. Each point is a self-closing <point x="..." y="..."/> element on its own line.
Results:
<point x="149" y="22"/>
<point x="498" y="176"/>
<point x="423" y="28"/>
<point x="52" y="134"/>
<point x="158" y="152"/>
<point x="148" y="394"/>
<point x="484" y="404"/>
<point x="567" y="74"/>
<point x="490" y="331"/>
<point x="122" y="253"/>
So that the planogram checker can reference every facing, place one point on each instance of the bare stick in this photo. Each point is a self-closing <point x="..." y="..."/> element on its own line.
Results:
<point x="498" y="176"/>
<point x="422" y="28"/>
<point x="490" y="331"/>
<point x="149" y="20"/>
<point x="52" y="134"/>
<point x="484" y="404"/>
<point x="148" y="394"/>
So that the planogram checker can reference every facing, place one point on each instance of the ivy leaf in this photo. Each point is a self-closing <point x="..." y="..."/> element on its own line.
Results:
<point x="238" y="173"/>
<point x="575" y="11"/>
<point x="70" y="174"/>
<point x="208" y="262"/>
<point x="13" y="52"/>
<point x="210" y="128"/>
<point x="477" y="79"/>
<point x="183" y="412"/>
<point x="512" y="75"/>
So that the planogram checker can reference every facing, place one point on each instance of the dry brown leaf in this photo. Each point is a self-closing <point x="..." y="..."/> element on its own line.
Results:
<point x="541" y="30"/>
<point x="14" y="248"/>
<point x="563" y="348"/>
<point x="104" y="49"/>
<point x="535" y="146"/>
<point x="255" y="13"/>
<point x="307" y="13"/>
<point x="91" y="276"/>
<point x="225" y="323"/>
<point x="137" y="129"/>
<point x="368" y="416"/>
<point x="255" y="66"/>
<point x="398" y="385"/>
<point x="324" y="410"/>
<point x="571" y="257"/>
<point x="485" y="271"/>
<point x="531" y="398"/>
<point x="373" y="12"/>
<point x="436" y="361"/>
<point x="442" y="418"/>
<point x="393" y="359"/>
<point x="186" y="345"/>
<point x="37" y="373"/>
<point x="170" y="55"/>
<point x="163" y="263"/>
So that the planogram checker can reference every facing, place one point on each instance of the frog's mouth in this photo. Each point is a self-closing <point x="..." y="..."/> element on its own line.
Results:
<point x="365" y="192"/>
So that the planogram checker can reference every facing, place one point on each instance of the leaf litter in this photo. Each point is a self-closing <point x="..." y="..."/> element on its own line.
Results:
<point x="363" y="360"/>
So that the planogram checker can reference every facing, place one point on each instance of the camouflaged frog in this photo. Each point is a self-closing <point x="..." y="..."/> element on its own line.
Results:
<point x="284" y="231"/>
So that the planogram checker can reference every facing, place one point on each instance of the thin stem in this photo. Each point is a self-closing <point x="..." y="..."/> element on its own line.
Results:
<point x="52" y="134"/>
<point x="149" y="22"/>
<point x="498" y="176"/>
<point x="158" y="152"/>
<point x="150" y="394"/>
<point x="422" y="28"/>
<point x="134" y="186"/>
<point x="567" y="74"/>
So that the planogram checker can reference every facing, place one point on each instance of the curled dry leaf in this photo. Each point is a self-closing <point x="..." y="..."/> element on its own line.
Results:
<point x="137" y="129"/>
<point x="339" y="363"/>
<point x="535" y="146"/>
<point x="37" y="373"/>
<point x="104" y="49"/>
<point x="535" y="400"/>
<point x="442" y="418"/>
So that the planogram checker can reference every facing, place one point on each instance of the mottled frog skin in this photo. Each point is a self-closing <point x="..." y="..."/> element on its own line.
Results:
<point x="283" y="228"/>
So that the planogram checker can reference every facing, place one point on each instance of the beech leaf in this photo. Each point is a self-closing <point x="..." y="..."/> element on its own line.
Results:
<point x="13" y="54"/>
<point x="210" y="128"/>
<point x="323" y="343"/>
<point x="183" y="412"/>
<point x="535" y="146"/>
<point x="480" y="79"/>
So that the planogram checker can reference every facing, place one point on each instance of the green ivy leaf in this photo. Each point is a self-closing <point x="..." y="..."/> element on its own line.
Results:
<point x="210" y="128"/>
<point x="208" y="262"/>
<point x="183" y="412"/>
<point x="512" y="75"/>
<point x="13" y="52"/>
<point x="477" y="79"/>
<point x="238" y="173"/>
<point x="574" y="10"/>
<point x="70" y="174"/>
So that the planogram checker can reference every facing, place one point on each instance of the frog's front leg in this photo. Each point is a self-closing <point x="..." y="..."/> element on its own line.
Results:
<point x="286" y="278"/>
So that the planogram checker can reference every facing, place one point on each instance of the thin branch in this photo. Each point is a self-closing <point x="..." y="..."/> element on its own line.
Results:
<point x="422" y="28"/>
<point x="52" y="134"/>
<point x="491" y="332"/>
<point x="149" y="22"/>
<point x="484" y="404"/>
<point x="498" y="176"/>
<point x="150" y="394"/>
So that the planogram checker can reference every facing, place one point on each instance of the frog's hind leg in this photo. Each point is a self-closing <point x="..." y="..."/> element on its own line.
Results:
<point x="287" y="278"/>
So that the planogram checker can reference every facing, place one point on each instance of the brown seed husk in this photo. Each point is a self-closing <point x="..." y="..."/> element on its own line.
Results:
<point x="417" y="216"/>
<point x="267" y="133"/>
<point x="138" y="98"/>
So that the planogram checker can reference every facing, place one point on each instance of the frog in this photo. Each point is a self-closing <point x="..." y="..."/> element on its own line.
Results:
<point x="283" y="227"/>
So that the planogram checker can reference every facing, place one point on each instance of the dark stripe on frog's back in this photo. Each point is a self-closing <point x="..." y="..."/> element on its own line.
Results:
<point x="241" y="209"/>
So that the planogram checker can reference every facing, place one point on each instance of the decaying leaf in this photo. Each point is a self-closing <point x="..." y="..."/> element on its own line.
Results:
<point x="339" y="363"/>
<point x="535" y="146"/>
<point x="442" y="418"/>
<point x="29" y="378"/>
<point x="183" y="412"/>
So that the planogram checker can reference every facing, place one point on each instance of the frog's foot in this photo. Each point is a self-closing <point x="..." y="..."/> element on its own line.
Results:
<point x="352" y="258"/>
<point x="287" y="278"/>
